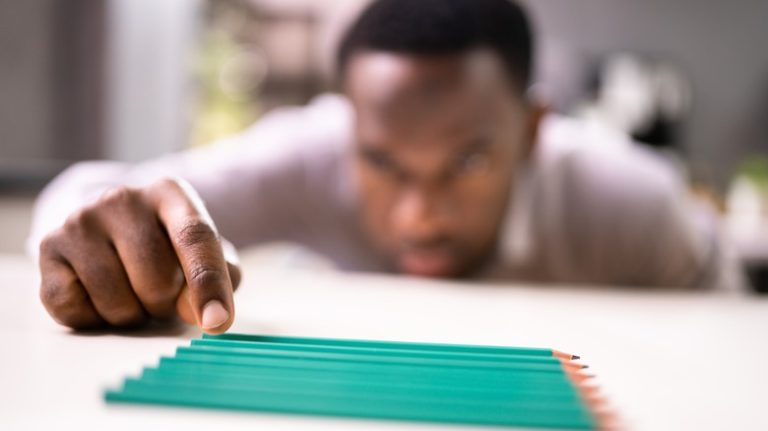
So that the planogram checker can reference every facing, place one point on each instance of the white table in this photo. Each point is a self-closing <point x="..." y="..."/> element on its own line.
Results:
<point x="666" y="360"/>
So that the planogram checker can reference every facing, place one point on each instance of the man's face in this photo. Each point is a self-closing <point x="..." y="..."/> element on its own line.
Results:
<point x="438" y="140"/>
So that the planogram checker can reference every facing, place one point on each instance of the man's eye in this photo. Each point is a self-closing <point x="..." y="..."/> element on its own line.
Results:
<point x="379" y="161"/>
<point x="474" y="162"/>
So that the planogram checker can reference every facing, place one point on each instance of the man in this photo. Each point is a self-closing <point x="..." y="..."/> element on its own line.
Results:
<point x="436" y="163"/>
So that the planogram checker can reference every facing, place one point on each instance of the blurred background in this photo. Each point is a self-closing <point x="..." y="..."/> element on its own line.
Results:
<point x="129" y="80"/>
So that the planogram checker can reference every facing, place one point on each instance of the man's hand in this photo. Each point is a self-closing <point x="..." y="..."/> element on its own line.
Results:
<point x="139" y="253"/>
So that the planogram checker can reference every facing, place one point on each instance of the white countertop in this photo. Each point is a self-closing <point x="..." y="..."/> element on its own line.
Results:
<point x="667" y="361"/>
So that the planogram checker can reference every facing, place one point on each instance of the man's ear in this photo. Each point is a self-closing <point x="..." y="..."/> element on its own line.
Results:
<point x="536" y="113"/>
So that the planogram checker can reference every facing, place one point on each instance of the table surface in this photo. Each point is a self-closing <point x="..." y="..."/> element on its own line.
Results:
<point x="665" y="360"/>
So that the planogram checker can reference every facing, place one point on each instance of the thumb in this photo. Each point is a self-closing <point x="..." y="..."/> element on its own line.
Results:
<point x="184" y="307"/>
<point x="198" y="247"/>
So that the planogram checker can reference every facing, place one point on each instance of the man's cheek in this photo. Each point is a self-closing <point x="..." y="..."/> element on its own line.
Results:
<point x="377" y="222"/>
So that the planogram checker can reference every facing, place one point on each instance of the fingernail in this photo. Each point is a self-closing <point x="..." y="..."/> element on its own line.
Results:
<point x="214" y="315"/>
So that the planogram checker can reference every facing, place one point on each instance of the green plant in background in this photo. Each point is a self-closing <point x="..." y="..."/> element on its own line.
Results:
<point x="223" y="108"/>
<point x="755" y="170"/>
<point x="747" y="203"/>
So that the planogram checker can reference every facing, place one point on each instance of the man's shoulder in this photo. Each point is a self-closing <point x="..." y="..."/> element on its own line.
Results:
<point x="603" y="169"/>
<point x="607" y="210"/>
<point x="602" y="192"/>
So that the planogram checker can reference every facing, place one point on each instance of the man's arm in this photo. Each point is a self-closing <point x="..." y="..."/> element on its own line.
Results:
<point x="131" y="227"/>
<point x="250" y="182"/>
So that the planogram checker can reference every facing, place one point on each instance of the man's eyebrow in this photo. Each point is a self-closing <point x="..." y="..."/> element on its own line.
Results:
<point x="374" y="152"/>
<point x="478" y="142"/>
<point x="368" y="147"/>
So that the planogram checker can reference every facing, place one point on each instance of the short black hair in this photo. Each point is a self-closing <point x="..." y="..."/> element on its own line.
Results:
<point x="439" y="27"/>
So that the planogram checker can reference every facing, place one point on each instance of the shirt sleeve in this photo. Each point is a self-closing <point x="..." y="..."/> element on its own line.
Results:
<point x="253" y="184"/>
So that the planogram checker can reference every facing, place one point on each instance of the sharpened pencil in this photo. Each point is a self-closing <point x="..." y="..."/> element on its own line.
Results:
<point x="452" y="383"/>
<point x="375" y="344"/>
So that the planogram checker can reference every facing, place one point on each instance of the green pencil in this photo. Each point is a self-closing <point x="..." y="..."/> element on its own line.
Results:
<point x="393" y="345"/>
<point x="451" y="383"/>
<point x="535" y="390"/>
<point x="376" y="352"/>
<point x="510" y="362"/>
<point x="384" y="374"/>
<point x="558" y="416"/>
<point x="315" y="363"/>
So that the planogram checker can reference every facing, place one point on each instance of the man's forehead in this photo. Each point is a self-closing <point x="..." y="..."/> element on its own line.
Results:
<point x="381" y="78"/>
<point x="399" y="91"/>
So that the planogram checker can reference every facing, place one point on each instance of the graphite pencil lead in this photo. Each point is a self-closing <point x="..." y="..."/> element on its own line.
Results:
<point x="563" y="355"/>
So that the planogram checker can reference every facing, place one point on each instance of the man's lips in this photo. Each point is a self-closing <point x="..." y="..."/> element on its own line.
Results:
<point x="427" y="263"/>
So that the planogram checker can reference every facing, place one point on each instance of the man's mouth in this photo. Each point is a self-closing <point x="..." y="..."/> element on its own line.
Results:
<point x="428" y="263"/>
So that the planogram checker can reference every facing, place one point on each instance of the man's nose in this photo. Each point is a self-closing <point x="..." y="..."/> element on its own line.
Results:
<point x="419" y="214"/>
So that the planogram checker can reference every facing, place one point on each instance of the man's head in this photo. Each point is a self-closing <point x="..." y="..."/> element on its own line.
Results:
<point x="442" y="125"/>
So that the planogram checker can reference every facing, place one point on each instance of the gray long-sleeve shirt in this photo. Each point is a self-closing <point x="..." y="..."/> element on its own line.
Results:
<point x="589" y="207"/>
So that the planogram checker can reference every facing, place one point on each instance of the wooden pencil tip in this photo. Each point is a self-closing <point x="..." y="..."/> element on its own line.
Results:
<point x="572" y="365"/>
<point x="579" y="377"/>
<point x="563" y="355"/>
<point x="587" y="388"/>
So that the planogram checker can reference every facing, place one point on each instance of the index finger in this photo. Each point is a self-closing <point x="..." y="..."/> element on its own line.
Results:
<point x="198" y="248"/>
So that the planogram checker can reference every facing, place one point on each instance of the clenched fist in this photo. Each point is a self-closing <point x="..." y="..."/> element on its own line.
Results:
<point x="136" y="254"/>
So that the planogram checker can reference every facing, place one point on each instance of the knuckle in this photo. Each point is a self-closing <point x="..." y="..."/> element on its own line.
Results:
<point x="202" y="276"/>
<point x="49" y="244"/>
<point x="61" y="300"/>
<point x="49" y="295"/>
<point x="78" y="222"/>
<point x="119" y="196"/>
<point x="166" y="183"/>
<point x="195" y="231"/>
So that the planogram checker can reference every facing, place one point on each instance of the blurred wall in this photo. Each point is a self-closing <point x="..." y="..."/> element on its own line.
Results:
<point x="26" y="47"/>
<point x="51" y="98"/>
<point x="719" y="44"/>
<point x="148" y="74"/>
<point x="86" y="79"/>
<point x="51" y="105"/>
